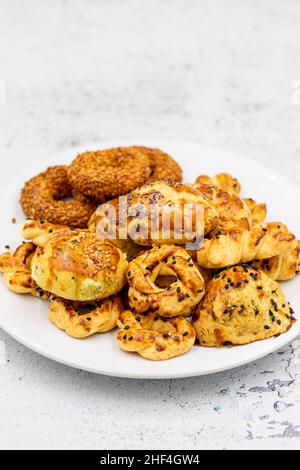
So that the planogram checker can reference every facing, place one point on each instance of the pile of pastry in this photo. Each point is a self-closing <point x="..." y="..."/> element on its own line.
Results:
<point x="161" y="287"/>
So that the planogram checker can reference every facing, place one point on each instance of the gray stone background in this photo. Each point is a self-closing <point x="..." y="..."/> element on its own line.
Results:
<point x="220" y="72"/>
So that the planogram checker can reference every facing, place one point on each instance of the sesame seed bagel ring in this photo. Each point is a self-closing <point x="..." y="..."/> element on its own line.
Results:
<point x="110" y="172"/>
<point x="179" y="297"/>
<point x="153" y="337"/>
<point x="163" y="167"/>
<point x="42" y="198"/>
<point x="82" y="319"/>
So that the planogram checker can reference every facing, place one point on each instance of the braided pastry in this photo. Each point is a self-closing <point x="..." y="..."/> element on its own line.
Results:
<point x="258" y="211"/>
<point x="241" y="305"/>
<point x="240" y="246"/>
<point x="82" y="319"/>
<point x="16" y="269"/>
<point x="232" y="211"/>
<point x="154" y="337"/>
<point x="281" y="267"/>
<point x="39" y="231"/>
<point x="221" y="179"/>
<point x="179" y="297"/>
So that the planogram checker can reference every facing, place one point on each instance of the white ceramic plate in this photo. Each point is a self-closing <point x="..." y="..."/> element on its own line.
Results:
<point x="25" y="317"/>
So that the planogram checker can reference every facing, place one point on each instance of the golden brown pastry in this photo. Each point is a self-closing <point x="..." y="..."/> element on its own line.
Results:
<point x="82" y="319"/>
<point x="76" y="265"/>
<point x="39" y="231"/>
<point x="232" y="211"/>
<point x="152" y="206"/>
<point x="221" y="179"/>
<point x="179" y="297"/>
<point x="110" y="172"/>
<point x="239" y="246"/>
<point x="16" y="269"/>
<point x="282" y="267"/>
<point x="241" y="305"/>
<point x="258" y="211"/>
<point x="154" y="337"/>
<point x="162" y="166"/>
<point x="45" y="197"/>
<point x="125" y="244"/>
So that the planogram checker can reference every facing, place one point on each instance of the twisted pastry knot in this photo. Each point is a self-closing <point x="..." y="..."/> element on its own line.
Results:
<point x="281" y="267"/>
<point x="16" y="269"/>
<point x="179" y="297"/>
<point x="39" y="231"/>
<point x="154" y="337"/>
<point x="242" y="246"/>
<point x="82" y="319"/>
<point x="232" y="211"/>
<point x="221" y="179"/>
<point x="258" y="210"/>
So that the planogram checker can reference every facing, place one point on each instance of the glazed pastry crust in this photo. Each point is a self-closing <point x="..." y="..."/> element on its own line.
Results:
<point x="258" y="210"/>
<point x="233" y="213"/>
<point x="153" y="337"/>
<point x="161" y="197"/>
<point x="241" y="305"/>
<point x="16" y="269"/>
<point x="282" y="267"/>
<point x="179" y="297"/>
<point x="81" y="319"/>
<point x="240" y="246"/>
<point x="76" y="265"/>
<point x="221" y="179"/>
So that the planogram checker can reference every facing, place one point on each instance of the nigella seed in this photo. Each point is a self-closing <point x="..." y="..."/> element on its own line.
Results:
<point x="199" y="290"/>
<point x="190" y="264"/>
<point x="293" y="318"/>
<point x="7" y="247"/>
<point x="126" y="327"/>
<point x="129" y="273"/>
<point x="266" y="327"/>
<point x="227" y="286"/>
<point x="180" y="298"/>
<point x="174" y="262"/>
<point x="166" y="335"/>
<point x="291" y="311"/>
<point x="125" y="337"/>
<point x="256" y="312"/>
<point x="187" y="295"/>
<point x="130" y="338"/>
<point x="279" y="322"/>
<point x="232" y="284"/>
<point x="238" y="284"/>
<point x="178" y="289"/>
<point x="185" y="333"/>
<point x="259" y="287"/>
<point x="138" y="318"/>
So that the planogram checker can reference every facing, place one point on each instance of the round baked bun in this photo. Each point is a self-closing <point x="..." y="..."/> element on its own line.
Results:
<point x="77" y="265"/>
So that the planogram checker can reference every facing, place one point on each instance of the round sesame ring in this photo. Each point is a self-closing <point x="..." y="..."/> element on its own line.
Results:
<point x="163" y="167"/>
<point x="44" y="197"/>
<point x="179" y="297"/>
<point x="110" y="172"/>
<point x="154" y="337"/>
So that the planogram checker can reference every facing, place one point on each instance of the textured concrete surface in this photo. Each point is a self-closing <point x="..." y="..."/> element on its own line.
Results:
<point x="223" y="73"/>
